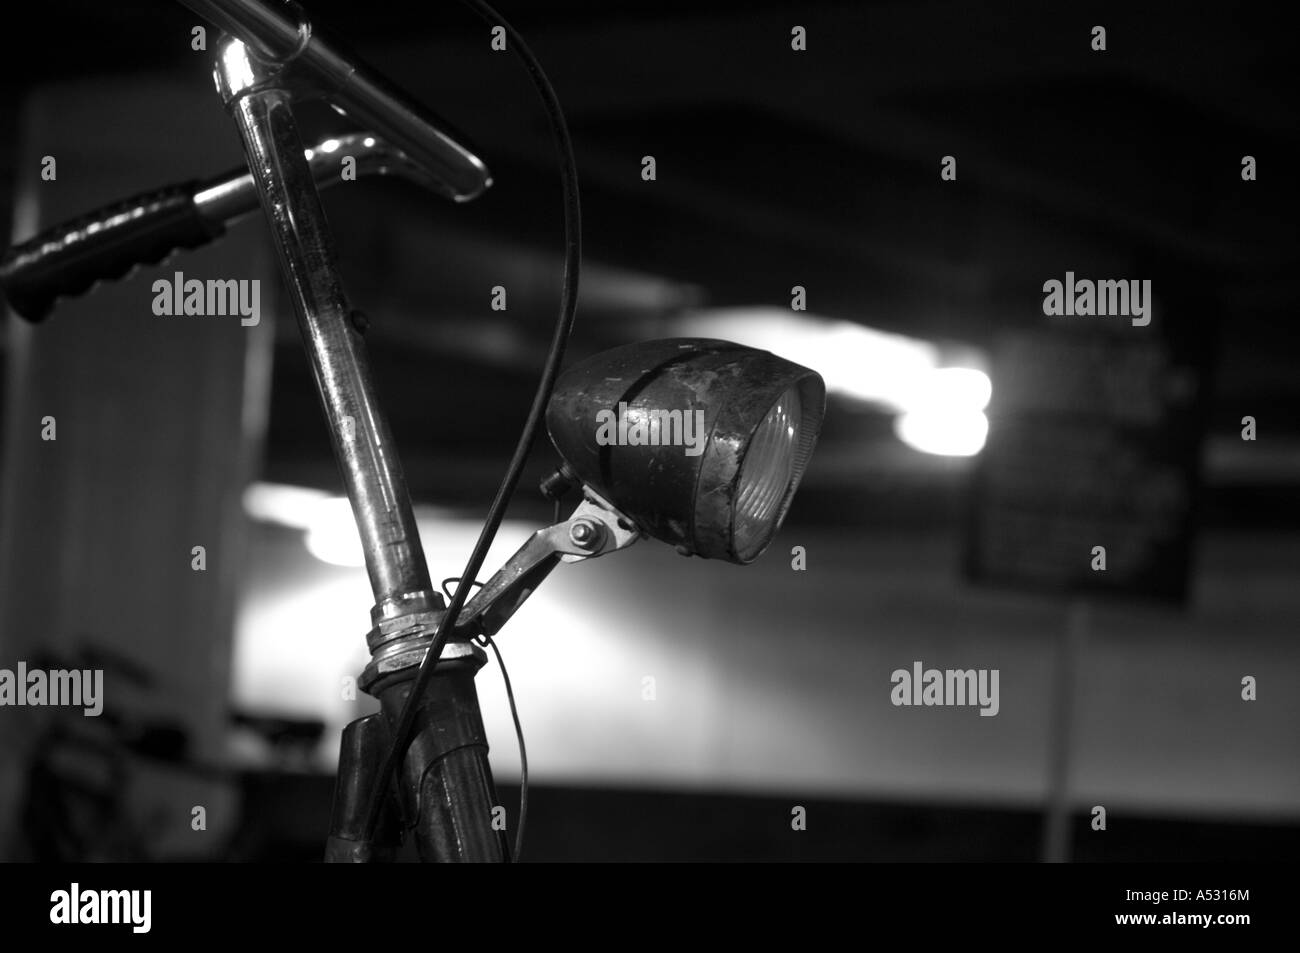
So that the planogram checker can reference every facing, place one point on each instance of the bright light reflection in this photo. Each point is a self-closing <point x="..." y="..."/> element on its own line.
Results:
<point x="950" y="433"/>
<point x="940" y="409"/>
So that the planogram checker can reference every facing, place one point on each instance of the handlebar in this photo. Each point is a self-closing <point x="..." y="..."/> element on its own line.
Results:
<point x="282" y="32"/>
<point x="272" y="57"/>
<point x="103" y="245"/>
<point x="111" y="242"/>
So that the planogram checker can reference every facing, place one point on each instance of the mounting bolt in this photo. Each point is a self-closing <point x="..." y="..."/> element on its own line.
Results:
<point x="585" y="534"/>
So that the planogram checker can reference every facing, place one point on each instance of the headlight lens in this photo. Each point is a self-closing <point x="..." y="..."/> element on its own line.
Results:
<point x="766" y="474"/>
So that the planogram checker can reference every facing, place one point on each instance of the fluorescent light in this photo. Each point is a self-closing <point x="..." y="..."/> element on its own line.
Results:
<point x="332" y="536"/>
<point x="960" y="388"/>
<point x="330" y="530"/>
<point x="940" y="408"/>
<point x="854" y="360"/>
<point x="944" y="413"/>
<point x="949" y="433"/>
<point x="292" y="506"/>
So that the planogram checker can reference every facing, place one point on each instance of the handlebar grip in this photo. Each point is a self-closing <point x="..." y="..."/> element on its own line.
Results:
<point x="103" y="245"/>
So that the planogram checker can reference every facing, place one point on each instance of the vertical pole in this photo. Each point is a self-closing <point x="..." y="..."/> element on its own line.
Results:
<point x="447" y="788"/>
<point x="1061" y="734"/>
<point x="363" y="445"/>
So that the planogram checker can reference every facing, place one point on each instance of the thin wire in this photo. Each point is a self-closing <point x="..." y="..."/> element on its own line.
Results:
<point x="523" y="750"/>
<point x="550" y="371"/>
<point x="456" y="579"/>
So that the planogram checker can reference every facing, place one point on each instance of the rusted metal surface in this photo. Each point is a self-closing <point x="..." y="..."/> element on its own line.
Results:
<point x="685" y="500"/>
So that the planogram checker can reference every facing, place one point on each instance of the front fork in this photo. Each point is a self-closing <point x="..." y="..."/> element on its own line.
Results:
<point x="445" y="797"/>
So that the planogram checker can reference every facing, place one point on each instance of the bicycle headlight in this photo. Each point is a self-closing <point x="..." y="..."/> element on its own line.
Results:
<point x="702" y="443"/>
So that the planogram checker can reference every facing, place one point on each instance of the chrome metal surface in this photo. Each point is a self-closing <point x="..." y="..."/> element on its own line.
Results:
<point x="228" y="198"/>
<point x="280" y="35"/>
<point x="585" y="534"/>
<point x="594" y="529"/>
<point x="445" y="789"/>
<point x="363" y="444"/>
<point x="405" y="656"/>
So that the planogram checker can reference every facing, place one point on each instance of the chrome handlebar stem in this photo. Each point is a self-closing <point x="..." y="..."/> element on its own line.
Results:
<point x="280" y="35"/>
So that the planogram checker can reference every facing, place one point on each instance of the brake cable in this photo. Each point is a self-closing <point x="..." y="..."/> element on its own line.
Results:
<point x="550" y="371"/>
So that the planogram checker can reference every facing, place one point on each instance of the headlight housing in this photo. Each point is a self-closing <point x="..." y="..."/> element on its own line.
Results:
<point x="702" y="443"/>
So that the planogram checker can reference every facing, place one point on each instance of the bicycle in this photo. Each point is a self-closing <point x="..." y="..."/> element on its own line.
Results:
<point x="762" y="415"/>
<point x="77" y="805"/>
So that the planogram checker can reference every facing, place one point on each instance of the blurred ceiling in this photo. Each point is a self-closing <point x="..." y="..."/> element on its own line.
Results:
<point x="778" y="168"/>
